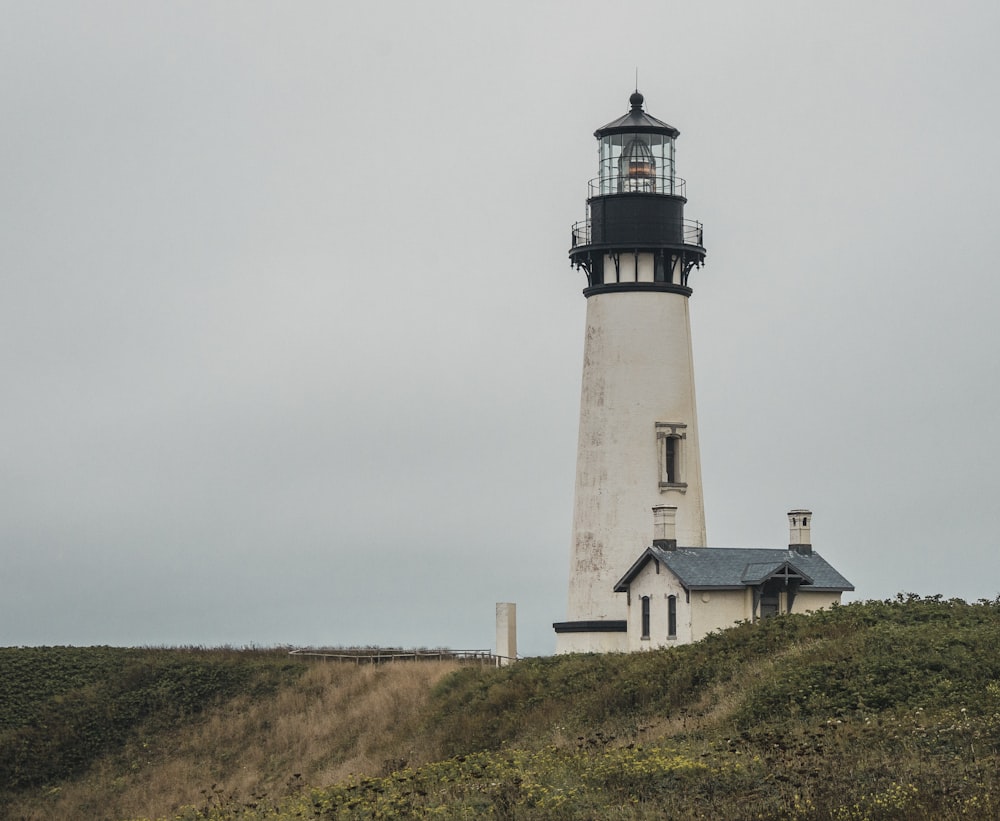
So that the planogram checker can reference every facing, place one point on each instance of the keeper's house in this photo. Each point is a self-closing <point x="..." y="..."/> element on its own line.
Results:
<point x="676" y="594"/>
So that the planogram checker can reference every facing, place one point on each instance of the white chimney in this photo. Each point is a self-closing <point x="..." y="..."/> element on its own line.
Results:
<point x="665" y="527"/>
<point x="799" y="537"/>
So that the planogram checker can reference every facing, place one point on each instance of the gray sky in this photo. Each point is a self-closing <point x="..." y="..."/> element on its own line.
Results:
<point x="291" y="348"/>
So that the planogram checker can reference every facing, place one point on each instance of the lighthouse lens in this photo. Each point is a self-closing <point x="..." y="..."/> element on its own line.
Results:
<point x="637" y="168"/>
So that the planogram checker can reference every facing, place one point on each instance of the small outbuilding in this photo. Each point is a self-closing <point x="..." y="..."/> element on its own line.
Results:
<point x="676" y="594"/>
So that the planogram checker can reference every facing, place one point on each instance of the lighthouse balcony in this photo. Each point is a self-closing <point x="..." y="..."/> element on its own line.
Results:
<point x="658" y="234"/>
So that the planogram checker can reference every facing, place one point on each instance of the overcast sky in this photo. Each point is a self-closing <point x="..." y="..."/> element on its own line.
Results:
<point x="291" y="348"/>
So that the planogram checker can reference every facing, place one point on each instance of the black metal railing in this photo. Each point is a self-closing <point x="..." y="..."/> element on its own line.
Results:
<point x="691" y="230"/>
<point x="654" y="184"/>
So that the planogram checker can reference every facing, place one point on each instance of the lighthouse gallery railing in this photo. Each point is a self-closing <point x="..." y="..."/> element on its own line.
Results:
<point x="692" y="232"/>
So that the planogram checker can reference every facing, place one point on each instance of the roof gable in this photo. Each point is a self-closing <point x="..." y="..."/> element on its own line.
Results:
<point x="759" y="572"/>
<point x="633" y="571"/>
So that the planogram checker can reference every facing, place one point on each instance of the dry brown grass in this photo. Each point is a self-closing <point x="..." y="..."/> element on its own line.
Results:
<point x="338" y="719"/>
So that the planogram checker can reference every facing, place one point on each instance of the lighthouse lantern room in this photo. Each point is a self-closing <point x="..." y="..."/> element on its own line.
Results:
<point x="636" y="207"/>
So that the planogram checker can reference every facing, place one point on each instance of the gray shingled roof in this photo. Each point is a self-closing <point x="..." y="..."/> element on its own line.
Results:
<point x="700" y="568"/>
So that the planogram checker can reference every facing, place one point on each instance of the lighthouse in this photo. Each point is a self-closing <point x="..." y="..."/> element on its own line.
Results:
<point x="638" y="435"/>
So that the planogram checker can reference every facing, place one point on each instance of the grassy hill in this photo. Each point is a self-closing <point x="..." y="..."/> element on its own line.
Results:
<point x="881" y="710"/>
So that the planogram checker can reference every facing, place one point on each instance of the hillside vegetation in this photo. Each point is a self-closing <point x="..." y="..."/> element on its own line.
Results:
<point x="881" y="710"/>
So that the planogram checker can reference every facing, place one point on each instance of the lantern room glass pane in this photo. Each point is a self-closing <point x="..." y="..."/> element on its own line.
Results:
<point x="636" y="162"/>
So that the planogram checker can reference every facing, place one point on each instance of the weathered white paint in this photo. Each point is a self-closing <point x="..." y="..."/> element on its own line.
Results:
<point x="506" y="632"/>
<point x="637" y="372"/>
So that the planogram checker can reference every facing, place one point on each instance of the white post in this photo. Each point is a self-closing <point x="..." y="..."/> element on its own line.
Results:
<point x="506" y="632"/>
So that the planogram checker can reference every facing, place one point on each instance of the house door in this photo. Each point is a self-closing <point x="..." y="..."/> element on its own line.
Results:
<point x="769" y="598"/>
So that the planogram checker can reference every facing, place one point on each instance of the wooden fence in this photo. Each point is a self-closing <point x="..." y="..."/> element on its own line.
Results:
<point x="384" y="656"/>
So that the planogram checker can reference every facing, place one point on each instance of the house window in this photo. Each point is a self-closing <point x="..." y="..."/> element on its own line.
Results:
<point x="670" y="443"/>
<point x="671" y="617"/>
<point x="645" y="617"/>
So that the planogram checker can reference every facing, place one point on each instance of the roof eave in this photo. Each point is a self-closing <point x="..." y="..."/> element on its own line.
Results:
<point x="637" y="122"/>
<point x="621" y="586"/>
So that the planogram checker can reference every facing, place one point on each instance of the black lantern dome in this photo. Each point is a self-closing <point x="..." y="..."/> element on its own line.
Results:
<point x="636" y="210"/>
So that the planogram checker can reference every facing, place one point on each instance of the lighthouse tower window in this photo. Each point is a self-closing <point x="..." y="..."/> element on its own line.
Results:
<point x="670" y="442"/>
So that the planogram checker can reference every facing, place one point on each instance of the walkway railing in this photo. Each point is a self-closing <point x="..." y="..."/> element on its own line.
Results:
<point x="691" y="230"/>
<point x="655" y="184"/>
<point x="384" y="656"/>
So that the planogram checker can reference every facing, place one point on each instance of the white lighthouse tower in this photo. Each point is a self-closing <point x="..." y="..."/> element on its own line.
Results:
<point x="638" y="442"/>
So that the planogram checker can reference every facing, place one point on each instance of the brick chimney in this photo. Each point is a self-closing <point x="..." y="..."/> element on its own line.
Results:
<point x="665" y="527"/>
<point x="799" y="538"/>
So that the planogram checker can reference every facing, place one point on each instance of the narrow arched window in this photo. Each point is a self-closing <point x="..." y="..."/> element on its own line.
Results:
<point x="670" y="468"/>
<point x="672" y="617"/>
<point x="645" y="617"/>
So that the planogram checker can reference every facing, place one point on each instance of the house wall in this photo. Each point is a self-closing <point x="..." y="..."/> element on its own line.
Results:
<point x="713" y="610"/>
<point x="593" y="642"/>
<point x="658" y="587"/>
<point x="806" y="602"/>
